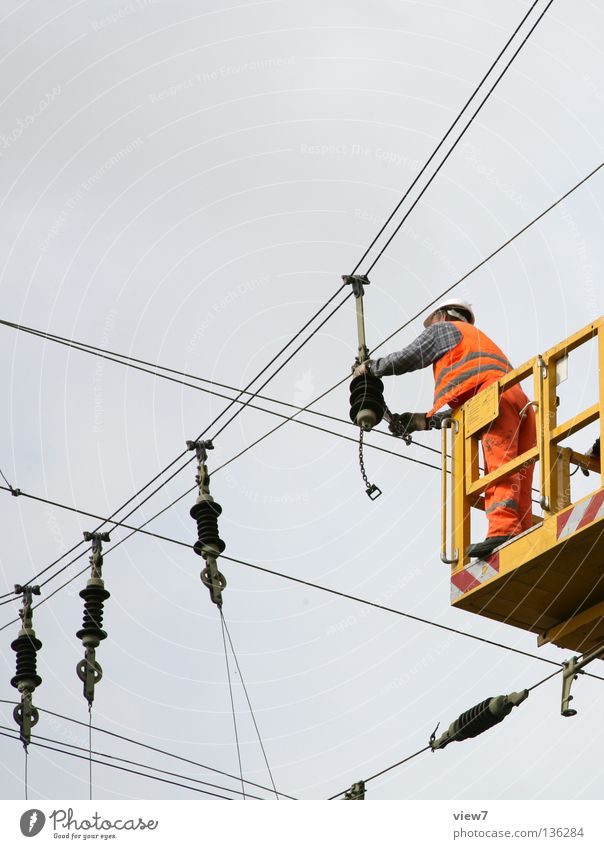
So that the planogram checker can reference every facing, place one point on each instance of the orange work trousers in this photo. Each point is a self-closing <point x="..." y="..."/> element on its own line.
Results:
<point x="508" y="502"/>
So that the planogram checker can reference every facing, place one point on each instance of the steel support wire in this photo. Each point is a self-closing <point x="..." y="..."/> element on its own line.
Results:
<point x="461" y="135"/>
<point x="427" y="748"/>
<point x="182" y="454"/>
<point x="90" y="752"/>
<point x="155" y="749"/>
<point x="448" y="133"/>
<point x="121" y="768"/>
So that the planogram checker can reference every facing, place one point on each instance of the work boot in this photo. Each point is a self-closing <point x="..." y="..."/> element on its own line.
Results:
<point x="486" y="547"/>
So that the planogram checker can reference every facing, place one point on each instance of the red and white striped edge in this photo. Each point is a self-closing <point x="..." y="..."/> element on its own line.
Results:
<point x="580" y="515"/>
<point x="474" y="575"/>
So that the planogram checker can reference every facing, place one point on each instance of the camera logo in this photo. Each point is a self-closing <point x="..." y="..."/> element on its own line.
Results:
<point x="32" y="822"/>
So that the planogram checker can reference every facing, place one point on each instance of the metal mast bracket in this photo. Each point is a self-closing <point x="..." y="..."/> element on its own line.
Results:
<point x="571" y="670"/>
<point x="358" y="283"/>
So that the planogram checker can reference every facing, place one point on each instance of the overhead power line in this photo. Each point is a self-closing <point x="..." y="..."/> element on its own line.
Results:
<point x="118" y="767"/>
<point x="39" y="737"/>
<point x="461" y="135"/>
<point x="429" y="747"/>
<point x="340" y="382"/>
<point x="444" y="138"/>
<point x="155" y="749"/>
<point x="182" y="454"/>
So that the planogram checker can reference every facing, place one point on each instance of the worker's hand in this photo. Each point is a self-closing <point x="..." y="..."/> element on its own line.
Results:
<point x="402" y="424"/>
<point x="362" y="369"/>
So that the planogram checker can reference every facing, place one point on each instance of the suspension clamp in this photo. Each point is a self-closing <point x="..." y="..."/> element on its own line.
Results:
<point x="358" y="283"/>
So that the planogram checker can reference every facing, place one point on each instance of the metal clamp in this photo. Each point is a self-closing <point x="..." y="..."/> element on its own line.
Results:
<point x="571" y="670"/>
<point x="445" y="425"/>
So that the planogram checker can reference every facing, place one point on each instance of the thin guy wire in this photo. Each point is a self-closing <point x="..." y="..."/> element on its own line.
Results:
<point x="226" y="657"/>
<point x="26" y="756"/>
<point x="152" y="749"/>
<point x="249" y="703"/>
<point x="475" y="268"/>
<point x="383" y="342"/>
<point x="458" y="139"/>
<point x="445" y="137"/>
<point x="426" y="748"/>
<point x="125" y="360"/>
<point x="90" y="749"/>
<point x="356" y="267"/>
<point x="137" y="764"/>
<point x="490" y="256"/>
<point x="121" y="768"/>
<point x="308" y="584"/>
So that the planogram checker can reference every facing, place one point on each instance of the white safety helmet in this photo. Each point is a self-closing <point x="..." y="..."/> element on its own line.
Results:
<point x="461" y="310"/>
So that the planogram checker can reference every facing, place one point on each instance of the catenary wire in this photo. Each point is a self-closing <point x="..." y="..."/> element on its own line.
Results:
<point x="444" y="138"/>
<point x="129" y="362"/>
<point x="427" y="748"/>
<point x="458" y="139"/>
<point x="132" y="763"/>
<point x="182" y="454"/>
<point x="332" y="298"/>
<point x="151" y="748"/>
<point x="460" y="280"/>
<point x="121" y="768"/>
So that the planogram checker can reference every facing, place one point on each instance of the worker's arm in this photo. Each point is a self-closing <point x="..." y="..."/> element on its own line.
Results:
<point x="429" y="347"/>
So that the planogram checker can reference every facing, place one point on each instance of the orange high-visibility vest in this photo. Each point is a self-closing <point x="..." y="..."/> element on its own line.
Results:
<point x="475" y="362"/>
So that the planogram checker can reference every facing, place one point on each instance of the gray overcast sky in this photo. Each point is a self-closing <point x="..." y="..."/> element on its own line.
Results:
<point x="185" y="182"/>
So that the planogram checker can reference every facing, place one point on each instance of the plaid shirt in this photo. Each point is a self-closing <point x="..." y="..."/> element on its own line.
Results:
<point x="429" y="347"/>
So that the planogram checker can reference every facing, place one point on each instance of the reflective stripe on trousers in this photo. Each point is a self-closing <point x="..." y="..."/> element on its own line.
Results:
<point x="508" y="502"/>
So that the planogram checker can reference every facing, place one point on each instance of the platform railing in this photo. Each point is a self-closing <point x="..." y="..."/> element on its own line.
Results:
<point x="464" y="488"/>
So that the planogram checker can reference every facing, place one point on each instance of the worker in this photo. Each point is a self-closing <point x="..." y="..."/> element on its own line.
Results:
<point x="465" y="361"/>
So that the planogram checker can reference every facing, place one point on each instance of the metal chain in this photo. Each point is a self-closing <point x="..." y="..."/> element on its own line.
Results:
<point x="370" y="488"/>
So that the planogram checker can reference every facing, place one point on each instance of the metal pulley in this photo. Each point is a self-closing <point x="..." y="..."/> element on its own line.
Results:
<point x="206" y="511"/>
<point x="477" y="719"/>
<point x="26" y="678"/>
<point x="95" y="595"/>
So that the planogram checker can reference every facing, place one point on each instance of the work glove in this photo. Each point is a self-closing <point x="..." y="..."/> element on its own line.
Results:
<point x="594" y="452"/>
<point x="358" y="370"/>
<point x="403" y="424"/>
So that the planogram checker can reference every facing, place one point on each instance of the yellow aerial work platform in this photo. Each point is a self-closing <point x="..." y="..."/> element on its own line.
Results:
<point x="550" y="579"/>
